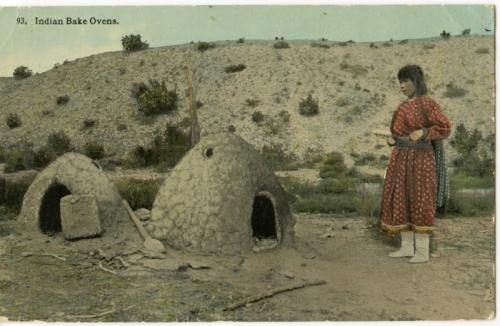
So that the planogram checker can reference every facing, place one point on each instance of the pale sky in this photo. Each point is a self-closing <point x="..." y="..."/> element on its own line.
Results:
<point x="40" y="46"/>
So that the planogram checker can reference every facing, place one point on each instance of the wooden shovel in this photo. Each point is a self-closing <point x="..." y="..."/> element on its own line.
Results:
<point x="149" y="243"/>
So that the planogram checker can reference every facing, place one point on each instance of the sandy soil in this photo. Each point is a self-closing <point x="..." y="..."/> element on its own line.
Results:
<point x="47" y="278"/>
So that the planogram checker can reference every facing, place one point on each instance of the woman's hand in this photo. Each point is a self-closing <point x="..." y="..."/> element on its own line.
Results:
<point x="416" y="135"/>
<point x="391" y="141"/>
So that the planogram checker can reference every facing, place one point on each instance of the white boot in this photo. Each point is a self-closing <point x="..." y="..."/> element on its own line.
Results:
<point x="421" y="248"/>
<point x="407" y="249"/>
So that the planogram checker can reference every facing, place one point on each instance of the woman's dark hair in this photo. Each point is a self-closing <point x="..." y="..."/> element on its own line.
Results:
<point x="416" y="75"/>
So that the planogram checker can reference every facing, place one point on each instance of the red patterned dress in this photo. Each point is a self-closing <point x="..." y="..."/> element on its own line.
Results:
<point x="409" y="195"/>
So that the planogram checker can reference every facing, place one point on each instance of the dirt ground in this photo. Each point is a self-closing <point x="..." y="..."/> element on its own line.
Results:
<point x="47" y="278"/>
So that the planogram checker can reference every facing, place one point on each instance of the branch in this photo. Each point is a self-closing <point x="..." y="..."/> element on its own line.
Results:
<point x="271" y="293"/>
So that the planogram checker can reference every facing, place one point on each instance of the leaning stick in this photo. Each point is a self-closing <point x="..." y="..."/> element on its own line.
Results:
<point x="271" y="293"/>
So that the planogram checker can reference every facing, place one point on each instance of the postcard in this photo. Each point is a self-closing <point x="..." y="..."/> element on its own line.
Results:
<point x="168" y="163"/>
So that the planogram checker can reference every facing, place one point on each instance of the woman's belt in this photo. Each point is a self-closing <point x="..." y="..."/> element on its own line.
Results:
<point x="406" y="142"/>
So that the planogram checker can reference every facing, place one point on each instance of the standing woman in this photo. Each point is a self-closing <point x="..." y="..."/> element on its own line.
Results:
<point x="410" y="187"/>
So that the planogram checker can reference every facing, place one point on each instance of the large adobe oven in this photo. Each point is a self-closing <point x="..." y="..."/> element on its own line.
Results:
<point x="220" y="198"/>
<point x="73" y="196"/>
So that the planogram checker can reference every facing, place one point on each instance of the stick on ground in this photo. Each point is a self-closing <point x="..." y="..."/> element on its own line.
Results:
<point x="271" y="293"/>
<point x="102" y="313"/>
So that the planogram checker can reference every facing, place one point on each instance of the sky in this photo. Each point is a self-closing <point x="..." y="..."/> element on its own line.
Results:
<point x="39" y="47"/>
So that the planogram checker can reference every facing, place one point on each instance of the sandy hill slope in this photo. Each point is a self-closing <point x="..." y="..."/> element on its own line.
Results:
<point x="355" y="85"/>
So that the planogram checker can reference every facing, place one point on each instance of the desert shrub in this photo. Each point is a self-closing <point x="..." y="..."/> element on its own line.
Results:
<point x="139" y="193"/>
<point x="59" y="142"/>
<point x="476" y="154"/>
<point x="88" y="123"/>
<point x="121" y="127"/>
<point x="165" y="150"/>
<point x="133" y="43"/>
<point x="235" y="68"/>
<point x="19" y="158"/>
<point x="320" y="45"/>
<point x="281" y="45"/>
<point x="482" y="50"/>
<point x="61" y="100"/>
<point x="44" y="156"/>
<point x="466" y="32"/>
<point x="309" y="106"/>
<point x="454" y="91"/>
<point x="122" y="71"/>
<point x="284" y="115"/>
<point x="231" y="128"/>
<point x="403" y="42"/>
<point x="204" y="46"/>
<point x="372" y="45"/>
<point x="2" y="154"/>
<point x="257" y="117"/>
<point x="13" y="120"/>
<point x="156" y="99"/>
<point x="278" y="158"/>
<point x="386" y="44"/>
<point x="321" y="203"/>
<point x="241" y="40"/>
<point x="462" y="180"/>
<point x="445" y="35"/>
<point x="252" y="102"/>
<point x="471" y="204"/>
<point x="12" y="192"/>
<point x="199" y="104"/>
<point x="22" y="72"/>
<point x="333" y="166"/>
<point x="93" y="150"/>
<point x="342" y="185"/>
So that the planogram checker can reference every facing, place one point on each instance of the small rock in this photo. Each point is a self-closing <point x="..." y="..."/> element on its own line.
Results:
<point x="143" y="214"/>
<point x="345" y="227"/>
<point x="435" y="255"/>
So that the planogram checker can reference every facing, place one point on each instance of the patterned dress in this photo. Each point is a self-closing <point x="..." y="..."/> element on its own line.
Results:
<point x="409" y="195"/>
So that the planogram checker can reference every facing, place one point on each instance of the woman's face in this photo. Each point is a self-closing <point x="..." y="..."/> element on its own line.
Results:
<point x="407" y="88"/>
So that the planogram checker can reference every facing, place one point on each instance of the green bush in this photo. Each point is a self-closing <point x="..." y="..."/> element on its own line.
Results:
<point x="59" y="142"/>
<point x="476" y="155"/>
<point x="462" y="180"/>
<point x="241" y="40"/>
<point x="466" y="32"/>
<point x="257" y="117"/>
<point x="342" y="185"/>
<point x="22" y="72"/>
<point x="281" y="45"/>
<point x="19" y="158"/>
<point x="326" y="204"/>
<point x="133" y="43"/>
<point x="278" y="158"/>
<point x="61" y="100"/>
<point x="309" y="107"/>
<point x="204" y="46"/>
<point x="333" y="166"/>
<point x="165" y="150"/>
<point x="12" y="192"/>
<point x="88" y="123"/>
<point x="235" y="68"/>
<point x="44" y="156"/>
<point x="93" y="150"/>
<point x="138" y="193"/>
<point x="471" y="204"/>
<point x="284" y="115"/>
<point x="12" y="120"/>
<point x="454" y="91"/>
<point x="252" y="102"/>
<point x="156" y="99"/>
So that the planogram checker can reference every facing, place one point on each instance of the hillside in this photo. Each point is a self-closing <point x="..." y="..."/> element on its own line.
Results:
<point x="355" y="85"/>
